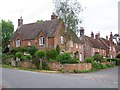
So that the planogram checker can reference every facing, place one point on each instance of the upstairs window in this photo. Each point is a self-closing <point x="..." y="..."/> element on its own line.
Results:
<point x="76" y="45"/>
<point x="62" y="40"/>
<point x="71" y="43"/>
<point x="18" y="43"/>
<point x="29" y="43"/>
<point x="41" y="40"/>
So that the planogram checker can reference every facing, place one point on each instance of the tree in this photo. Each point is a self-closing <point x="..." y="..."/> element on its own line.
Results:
<point x="7" y="31"/>
<point x="40" y="54"/>
<point x="39" y="21"/>
<point x="68" y="11"/>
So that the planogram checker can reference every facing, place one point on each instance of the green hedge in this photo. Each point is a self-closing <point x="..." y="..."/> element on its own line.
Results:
<point x="116" y="60"/>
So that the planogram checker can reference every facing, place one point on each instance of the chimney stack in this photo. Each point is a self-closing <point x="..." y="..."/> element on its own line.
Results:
<point x="106" y="37"/>
<point x="96" y="36"/>
<point x="20" y="21"/>
<point x="92" y="35"/>
<point x="81" y="31"/>
<point x="53" y="16"/>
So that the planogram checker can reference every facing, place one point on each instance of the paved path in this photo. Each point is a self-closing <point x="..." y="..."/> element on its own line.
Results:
<point x="26" y="79"/>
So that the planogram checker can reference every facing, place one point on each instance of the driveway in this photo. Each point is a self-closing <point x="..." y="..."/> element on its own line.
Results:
<point x="25" y="79"/>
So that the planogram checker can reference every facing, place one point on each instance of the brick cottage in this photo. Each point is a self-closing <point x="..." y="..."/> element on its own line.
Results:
<point x="48" y="34"/>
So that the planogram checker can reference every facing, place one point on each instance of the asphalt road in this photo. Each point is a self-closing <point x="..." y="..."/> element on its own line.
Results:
<point x="25" y="79"/>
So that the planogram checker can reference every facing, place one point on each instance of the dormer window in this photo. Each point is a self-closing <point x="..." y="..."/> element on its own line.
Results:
<point x="62" y="40"/>
<point x="18" y="43"/>
<point x="41" y="40"/>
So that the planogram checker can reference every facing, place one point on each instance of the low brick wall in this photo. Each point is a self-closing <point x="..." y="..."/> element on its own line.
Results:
<point x="25" y="64"/>
<point x="104" y="63"/>
<point x="80" y="67"/>
<point x="58" y="66"/>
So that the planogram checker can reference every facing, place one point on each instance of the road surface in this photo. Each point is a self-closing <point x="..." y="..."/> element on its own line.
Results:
<point x="26" y="79"/>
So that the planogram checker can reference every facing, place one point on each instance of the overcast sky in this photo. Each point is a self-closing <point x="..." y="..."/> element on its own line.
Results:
<point x="99" y="15"/>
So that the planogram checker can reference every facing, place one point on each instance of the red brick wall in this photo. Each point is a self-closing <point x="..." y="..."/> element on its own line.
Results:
<point x="58" y="66"/>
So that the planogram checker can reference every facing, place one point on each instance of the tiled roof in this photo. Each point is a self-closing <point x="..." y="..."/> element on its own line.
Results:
<point x="31" y="31"/>
<point x="96" y="43"/>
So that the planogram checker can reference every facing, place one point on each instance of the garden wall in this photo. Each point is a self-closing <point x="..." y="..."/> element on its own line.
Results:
<point x="80" y="67"/>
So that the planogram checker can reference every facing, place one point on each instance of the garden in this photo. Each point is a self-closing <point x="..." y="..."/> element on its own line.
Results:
<point x="32" y="58"/>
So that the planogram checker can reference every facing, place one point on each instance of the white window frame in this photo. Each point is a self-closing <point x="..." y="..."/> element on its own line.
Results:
<point x="76" y="45"/>
<point x="71" y="43"/>
<point x="62" y="39"/>
<point x="29" y="43"/>
<point x="41" y="40"/>
<point x="18" y="43"/>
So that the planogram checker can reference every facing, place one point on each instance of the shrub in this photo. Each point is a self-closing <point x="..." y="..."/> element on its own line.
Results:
<point x="51" y="54"/>
<point x="52" y="60"/>
<point x="64" y="58"/>
<point x="18" y="54"/>
<point x="40" y="54"/>
<point x="29" y="57"/>
<point x="96" y="65"/>
<point x="32" y="50"/>
<point x="103" y="66"/>
<point x="89" y="59"/>
<point x="23" y="58"/>
<point x="58" y="49"/>
<point x="98" y="57"/>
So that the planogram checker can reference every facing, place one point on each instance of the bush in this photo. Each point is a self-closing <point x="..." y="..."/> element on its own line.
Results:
<point x="103" y="66"/>
<point x="58" y="49"/>
<point x="52" y="60"/>
<point x="18" y="54"/>
<point x="29" y="57"/>
<point x="23" y="58"/>
<point x="40" y="54"/>
<point x="96" y="65"/>
<point x="64" y="58"/>
<point x="32" y="50"/>
<point x="98" y="57"/>
<point x="51" y="54"/>
<point x="116" y="60"/>
<point x="89" y="59"/>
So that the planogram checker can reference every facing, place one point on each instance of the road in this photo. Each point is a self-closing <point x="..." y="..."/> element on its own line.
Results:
<point x="26" y="79"/>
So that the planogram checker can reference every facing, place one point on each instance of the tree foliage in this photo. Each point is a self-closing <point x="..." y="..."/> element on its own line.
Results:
<point x="68" y="11"/>
<point x="7" y="31"/>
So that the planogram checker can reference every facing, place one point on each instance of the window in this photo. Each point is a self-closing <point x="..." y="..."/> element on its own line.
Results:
<point x="62" y="40"/>
<point x="18" y="43"/>
<point x="76" y="45"/>
<point x="41" y="40"/>
<point x="29" y="43"/>
<point x="71" y="44"/>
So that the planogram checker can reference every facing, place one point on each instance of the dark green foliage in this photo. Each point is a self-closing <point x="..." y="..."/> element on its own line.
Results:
<point x="51" y="54"/>
<point x="52" y="60"/>
<point x="29" y="57"/>
<point x="89" y="59"/>
<point x="118" y="56"/>
<point x="23" y="58"/>
<point x="103" y="66"/>
<point x="66" y="58"/>
<point x="96" y="65"/>
<point x="40" y="54"/>
<point x="58" y="49"/>
<point x="13" y="51"/>
<point x="18" y="54"/>
<point x="7" y="31"/>
<point x="32" y="50"/>
<point x="36" y="62"/>
<point x="5" y="59"/>
<point x="98" y="57"/>
<point x="45" y="65"/>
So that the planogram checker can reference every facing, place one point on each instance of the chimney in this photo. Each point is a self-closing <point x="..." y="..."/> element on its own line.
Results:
<point x="20" y="21"/>
<point x="92" y="35"/>
<point x="81" y="31"/>
<point x="53" y="16"/>
<point x="106" y="37"/>
<point x="96" y="36"/>
<point x="111" y="37"/>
